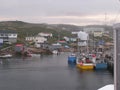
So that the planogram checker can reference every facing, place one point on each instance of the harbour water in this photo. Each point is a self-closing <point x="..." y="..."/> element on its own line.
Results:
<point x="49" y="72"/>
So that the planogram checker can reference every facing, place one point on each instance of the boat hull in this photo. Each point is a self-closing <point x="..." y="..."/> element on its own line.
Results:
<point x="86" y="66"/>
<point x="101" y="66"/>
<point x="71" y="59"/>
<point x="6" y="56"/>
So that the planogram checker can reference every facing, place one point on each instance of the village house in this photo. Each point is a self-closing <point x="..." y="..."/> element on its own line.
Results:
<point x="38" y="40"/>
<point x="30" y="39"/>
<point x="8" y="36"/>
<point x="45" y="34"/>
<point x="93" y="29"/>
<point x="55" y="46"/>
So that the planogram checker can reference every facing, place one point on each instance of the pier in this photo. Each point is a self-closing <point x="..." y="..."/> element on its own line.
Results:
<point x="110" y="64"/>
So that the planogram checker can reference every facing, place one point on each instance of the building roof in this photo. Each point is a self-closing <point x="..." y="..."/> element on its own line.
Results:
<point x="8" y="31"/>
<point x="19" y="45"/>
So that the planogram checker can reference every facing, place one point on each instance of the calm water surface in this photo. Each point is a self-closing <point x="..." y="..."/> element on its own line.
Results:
<point x="50" y="72"/>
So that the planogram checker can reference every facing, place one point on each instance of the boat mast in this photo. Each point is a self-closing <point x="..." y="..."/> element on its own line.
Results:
<point x="87" y="44"/>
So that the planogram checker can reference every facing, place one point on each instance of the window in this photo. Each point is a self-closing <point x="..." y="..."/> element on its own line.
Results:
<point x="6" y="35"/>
<point x="9" y="34"/>
<point x="14" y="34"/>
<point x="2" y="34"/>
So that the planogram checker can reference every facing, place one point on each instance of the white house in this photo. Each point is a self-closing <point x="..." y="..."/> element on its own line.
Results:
<point x="9" y="36"/>
<point x="39" y="40"/>
<point x="36" y="39"/>
<point x="74" y="33"/>
<point x="56" y="46"/>
<point x="73" y="39"/>
<point x="30" y="38"/>
<point x="93" y="29"/>
<point x="45" y="34"/>
<point x="66" y="38"/>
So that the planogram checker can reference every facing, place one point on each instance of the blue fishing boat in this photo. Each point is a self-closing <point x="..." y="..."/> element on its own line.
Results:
<point x="99" y="62"/>
<point x="100" y="65"/>
<point x="72" y="58"/>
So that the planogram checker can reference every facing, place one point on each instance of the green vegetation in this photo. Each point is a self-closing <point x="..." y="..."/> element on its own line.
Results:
<point x="58" y="30"/>
<point x="27" y="29"/>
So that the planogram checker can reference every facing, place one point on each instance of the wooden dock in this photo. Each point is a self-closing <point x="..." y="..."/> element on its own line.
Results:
<point x="110" y="64"/>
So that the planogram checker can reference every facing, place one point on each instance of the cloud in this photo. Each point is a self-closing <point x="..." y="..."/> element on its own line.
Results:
<point x="7" y="18"/>
<point x="60" y="11"/>
<point x="76" y="20"/>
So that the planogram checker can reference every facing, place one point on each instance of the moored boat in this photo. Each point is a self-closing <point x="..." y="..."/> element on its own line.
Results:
<point x="99" y="62"/>
<point x="72" y="58"/>
<point x="55" y="52"/>
<point x="85" y="64"/>
<point x="6" y="56"/>
<point x="100" y="65"/>
<point x="107" y="87"/>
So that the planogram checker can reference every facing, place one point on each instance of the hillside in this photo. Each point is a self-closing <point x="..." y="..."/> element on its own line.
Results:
<point x="30" y="29"/>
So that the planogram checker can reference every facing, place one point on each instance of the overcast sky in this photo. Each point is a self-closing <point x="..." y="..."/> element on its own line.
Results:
<point x="78" y="12"/>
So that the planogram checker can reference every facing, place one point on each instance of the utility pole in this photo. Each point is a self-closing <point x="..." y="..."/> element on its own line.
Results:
<point x="93" y="42"/>
<point x="117" y="56"/>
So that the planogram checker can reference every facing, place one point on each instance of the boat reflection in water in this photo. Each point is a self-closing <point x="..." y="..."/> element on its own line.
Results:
<point x="72" y="65"/>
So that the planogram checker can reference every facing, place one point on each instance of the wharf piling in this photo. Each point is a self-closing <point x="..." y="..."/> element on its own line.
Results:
<point x="110" y="64"/>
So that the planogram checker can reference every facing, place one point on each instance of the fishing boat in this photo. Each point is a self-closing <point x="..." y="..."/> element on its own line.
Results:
<point x="85" y="64"/>
<point x="83" y="61"/>
<point x="101" y="64"/>
<point x="6" y="56"/>
<point x="107" y="87"/>
<point x="55" y="52"/>
<point x="72" y="58"/>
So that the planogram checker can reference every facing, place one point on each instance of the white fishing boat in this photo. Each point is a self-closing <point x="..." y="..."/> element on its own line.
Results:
<point x="55" y="52"/>
<point x="107" y="87"/>
<point x="6" y="56"/>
